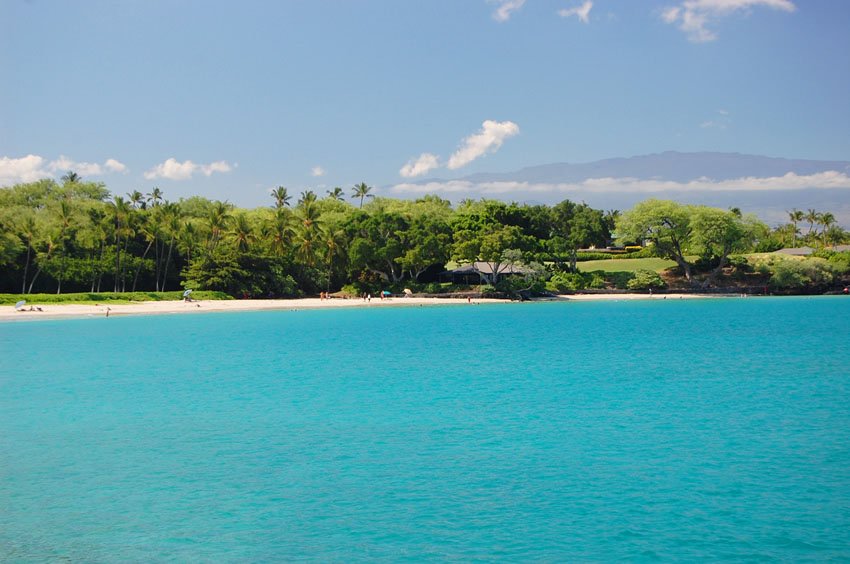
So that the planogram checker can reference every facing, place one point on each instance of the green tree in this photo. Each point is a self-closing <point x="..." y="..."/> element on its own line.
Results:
<point x="664" y="223"/>
<point x="796" y="216"/>
<point x="361" y="191"/>
<point x="281" y="197"/>
<point x="336" y="194"/>
<point x="827" y="220"/>
<point x="71" y="177"/>
<point x="575" y="226"/>
<point x="813" y="217"/>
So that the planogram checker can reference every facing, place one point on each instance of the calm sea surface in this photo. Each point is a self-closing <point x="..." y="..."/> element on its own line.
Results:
<point x="692" y="430"/>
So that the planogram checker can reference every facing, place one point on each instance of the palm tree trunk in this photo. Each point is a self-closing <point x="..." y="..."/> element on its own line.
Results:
<point x="165" y="266"/>
<point x="139" y="269"/>
<point x="26" y="267"/>
<point x="156" y="263"/>
<point x="117" y="262"/>
<point x="32" y="282"/>
<point x="124" y="265"/>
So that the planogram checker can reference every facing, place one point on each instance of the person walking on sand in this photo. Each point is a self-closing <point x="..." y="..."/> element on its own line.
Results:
<point x="107" y="311"/>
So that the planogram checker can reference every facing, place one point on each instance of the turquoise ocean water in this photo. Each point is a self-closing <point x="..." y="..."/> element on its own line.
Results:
<point x="684" y="430"/>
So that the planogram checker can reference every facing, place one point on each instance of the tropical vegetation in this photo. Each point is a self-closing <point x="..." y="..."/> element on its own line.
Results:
<point x="75" y="236"/>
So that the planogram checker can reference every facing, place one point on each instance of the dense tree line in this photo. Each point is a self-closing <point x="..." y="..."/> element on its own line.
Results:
<point x="75" y="236"/>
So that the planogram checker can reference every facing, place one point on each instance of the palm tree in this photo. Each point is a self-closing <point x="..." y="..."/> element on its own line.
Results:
<point x="217" y="221"/>
<point x="278" y="231"/>
<point x="334" y="249"/>
<point x="335" y="194"/>
<point x="96" y="236"/>
<point x="150" y="232"/>
<point x="307" y="234"/>
<point x="362" y="191"/>
<point x="27" y="232"/>
<point x="827" y="220"/>
<point x="65" y="217"/>
<point x="188" y="239"/>
<point x="155" y="196"/>
<point x="242" y="234"/>
<point x="812" y="216"/>
<point x="137" y="199"/>
<point x="795" y="216"/>
<point x="71" y="177"/>
<point x="171" y="223"/>
<point x="49" y="242"/>
<point x="307" y="197"/>
<point x="121" y="216"/>
<point x="281" y="197"/>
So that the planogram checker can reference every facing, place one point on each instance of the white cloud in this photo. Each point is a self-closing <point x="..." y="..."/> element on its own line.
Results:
<point x="35" y="167"/>
<point x="64" y="164"/>
<point x="419" y="166"/>
<point x="581" y="12"/>
<point x="171" y="169"/>
<point x="791" y="181"/>
<point x="488" y="140"/>
<point x="114" y="166"/>
<point x="317" y="171"/>
<point x="692" y="16"/>
<point x="506" y="8"/>
<point x="24" y="169"/>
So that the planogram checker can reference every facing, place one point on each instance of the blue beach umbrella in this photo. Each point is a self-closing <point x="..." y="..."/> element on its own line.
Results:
<point x="387" y="293"/>
<point x="20" y="304"/>
<point x="186" y="293"/>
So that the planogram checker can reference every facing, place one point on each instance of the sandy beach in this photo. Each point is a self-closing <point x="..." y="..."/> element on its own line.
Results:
<point x="54" y="311"/>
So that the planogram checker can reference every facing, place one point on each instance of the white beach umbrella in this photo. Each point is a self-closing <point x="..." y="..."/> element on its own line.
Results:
<point x="20" y="304"/>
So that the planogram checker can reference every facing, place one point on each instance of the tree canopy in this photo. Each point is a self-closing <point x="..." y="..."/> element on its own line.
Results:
<point x="77" y="236"/>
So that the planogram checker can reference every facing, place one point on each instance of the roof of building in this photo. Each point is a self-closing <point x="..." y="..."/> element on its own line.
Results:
<point x="484" y="267"/>
<point x="796" y="251"/>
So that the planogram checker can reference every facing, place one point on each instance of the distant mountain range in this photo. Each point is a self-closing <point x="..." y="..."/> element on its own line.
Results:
<point x="670" y="165"/>
<point x="766" y="186"/>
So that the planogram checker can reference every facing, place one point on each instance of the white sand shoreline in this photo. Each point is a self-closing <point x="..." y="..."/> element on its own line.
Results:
<point x="60" y="311"/>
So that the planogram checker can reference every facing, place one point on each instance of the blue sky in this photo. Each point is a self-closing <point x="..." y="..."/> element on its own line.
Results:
<point x="228" y="99"/>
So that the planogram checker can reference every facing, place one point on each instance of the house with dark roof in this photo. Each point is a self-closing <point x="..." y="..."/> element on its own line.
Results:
<point x="796" y="251"/>
<point x="481" y="272"/>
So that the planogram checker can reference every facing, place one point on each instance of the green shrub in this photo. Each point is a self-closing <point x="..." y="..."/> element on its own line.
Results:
<point x="572" y="282"/>
<point x="840" y="262"/>
<point x="487" y="290"/>
<point x="788" y="273"/>
<point x="581" y="257"/>
<point x="645" y="280"/>
<point x="620" y="280"/>
<point x="7" y="299"/>
<point x="646" y="252"/>
<point x="351" y="290"/>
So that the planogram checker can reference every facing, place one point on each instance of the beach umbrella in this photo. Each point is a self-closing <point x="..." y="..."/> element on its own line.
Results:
<point x="186" y="293"/>
<point x="20" y="304"/>
<point x="408" y="292"/>
<point x="387" y="293"/>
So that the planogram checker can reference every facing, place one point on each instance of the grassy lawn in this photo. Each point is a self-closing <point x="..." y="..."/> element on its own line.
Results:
<point x="626" y="265"/>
